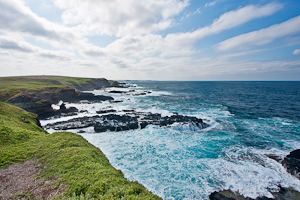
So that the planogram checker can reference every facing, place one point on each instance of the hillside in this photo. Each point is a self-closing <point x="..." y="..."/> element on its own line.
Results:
<point x="64" y="160"/>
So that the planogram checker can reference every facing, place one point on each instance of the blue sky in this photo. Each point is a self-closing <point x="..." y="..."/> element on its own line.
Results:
<point x="151" y="39"/>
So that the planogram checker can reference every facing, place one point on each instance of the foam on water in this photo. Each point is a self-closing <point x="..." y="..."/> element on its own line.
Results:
<point x="159" y="93"/>
<point x="188" y="165"/>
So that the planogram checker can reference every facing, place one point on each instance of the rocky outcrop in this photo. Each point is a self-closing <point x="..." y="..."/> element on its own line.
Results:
<point x="282" y="194"/>
<point x="54" y="95"/>
<point x="40" y="101"/>
<point x="106" y="111"/>
<point x="94" y="84"/>
<point x="117" y="92"/>
<point x="130" y="92"/>
<point x="129" y="121"/>
<point x="292" y="163"/>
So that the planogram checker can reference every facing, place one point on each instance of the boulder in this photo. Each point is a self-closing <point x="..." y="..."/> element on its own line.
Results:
<point x="292" y="163"/>
<point x="282" y="194"/>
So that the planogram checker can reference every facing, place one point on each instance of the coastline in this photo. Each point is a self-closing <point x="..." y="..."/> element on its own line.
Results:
<point x="237" y="196"/>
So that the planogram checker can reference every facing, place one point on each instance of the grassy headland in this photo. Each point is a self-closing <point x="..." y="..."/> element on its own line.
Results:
<point x="76" y="165"/>
<point x="10" y="86"/>
<point x="79" y="166"/>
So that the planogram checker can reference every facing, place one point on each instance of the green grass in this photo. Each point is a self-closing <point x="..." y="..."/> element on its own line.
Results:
<point x="11" y="86"/>
<point x="80" y="167"/>
<point x="28" y="82"/>
<point x="38" y="82"/>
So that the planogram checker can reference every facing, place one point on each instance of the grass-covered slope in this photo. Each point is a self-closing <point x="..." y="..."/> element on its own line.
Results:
<point x="10" y="86"/>
<point x="81" y="168"/>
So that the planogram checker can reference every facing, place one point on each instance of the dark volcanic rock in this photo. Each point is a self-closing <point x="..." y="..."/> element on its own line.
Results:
<point x="42" y="108"/>
<point x="92" y="97"/>
<point x="292" y="163"/>
<point x="116" y="101"/>
<point x="133" y="120"/>
<point x="62" y="107"/>
<point x="117" y="92"/>
<point x="105" y="111"/>
<point x="128" y="110"/>
<point x="72" y="109"/>
<point x="143" y="124"/>
<point x="282" y="194"/>
<point x="39" y="102"/>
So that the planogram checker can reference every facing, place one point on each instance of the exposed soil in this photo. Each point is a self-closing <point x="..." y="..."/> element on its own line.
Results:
<point x="19" y="181"/>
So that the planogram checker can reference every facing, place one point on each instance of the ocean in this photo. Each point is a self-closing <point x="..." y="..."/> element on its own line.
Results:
<point x="248" y="122"/>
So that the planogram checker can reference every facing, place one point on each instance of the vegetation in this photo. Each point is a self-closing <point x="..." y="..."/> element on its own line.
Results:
<point x="38" y="82"/>
<point x="80" y="167"/>
<point x="10" y="86"/>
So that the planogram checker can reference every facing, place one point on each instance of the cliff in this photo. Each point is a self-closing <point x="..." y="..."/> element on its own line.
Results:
<point x="37" y="93"/>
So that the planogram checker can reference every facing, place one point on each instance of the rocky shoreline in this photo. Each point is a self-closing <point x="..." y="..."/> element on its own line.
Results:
<point x="105" y="119"/>
<point x="128" y="121"/>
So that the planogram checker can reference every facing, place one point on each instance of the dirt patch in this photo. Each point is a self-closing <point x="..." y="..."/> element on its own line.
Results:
<point x="19" y="181"/>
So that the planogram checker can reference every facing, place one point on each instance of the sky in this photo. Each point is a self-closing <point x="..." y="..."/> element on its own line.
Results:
<point x="184" y="40"/>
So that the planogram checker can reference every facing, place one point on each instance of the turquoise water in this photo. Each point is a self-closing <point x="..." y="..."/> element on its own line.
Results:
<point x="248" y="121"/>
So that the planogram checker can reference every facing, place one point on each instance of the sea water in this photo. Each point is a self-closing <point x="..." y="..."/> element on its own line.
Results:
<point x="248" y="121"/>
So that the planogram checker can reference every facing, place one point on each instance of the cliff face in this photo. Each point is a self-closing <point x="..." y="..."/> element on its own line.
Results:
<point x="53" y="94"/>
<point x="94" y="84"/>
<point x="40" y="101"/>
<point x="37" y="93"/>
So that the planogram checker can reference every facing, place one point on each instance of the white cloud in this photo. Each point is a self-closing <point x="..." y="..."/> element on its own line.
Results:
<point x="21" y="46"/>
<point x="211" y="3"/>
<point x="11" y="44"/>
<point x="119" y="17"/>
<point x="263" y="36"/>
<point x="173" y="45"/>
<point x="139" y="52"/>
<point x="16" y="18"/>
<point x="197" y="11"/>
<point x="57" y="55"/>
<point x="4" y="54"/>
<point x="224" y="22"/>
<point x="297" y="51"/>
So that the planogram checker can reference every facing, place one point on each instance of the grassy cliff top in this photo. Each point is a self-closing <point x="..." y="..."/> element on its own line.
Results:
<point x="75" y="164"/>
<point x="10" y="86"/>
<point x="38" y="82"/>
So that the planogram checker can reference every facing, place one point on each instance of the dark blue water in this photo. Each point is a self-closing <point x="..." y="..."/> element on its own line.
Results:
<point x="248" y="121"/>
<point x="243" y="99"/>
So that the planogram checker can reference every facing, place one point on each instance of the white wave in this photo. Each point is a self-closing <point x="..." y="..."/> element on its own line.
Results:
<point x="57" y="106"/>
<point x="183" y="127"/>
<point x="155" y="110"/>
<point x="251" y="172"/>
<point x="159" y="93"/>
